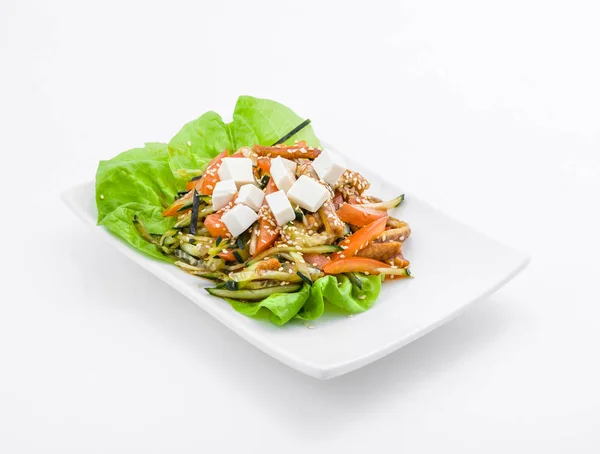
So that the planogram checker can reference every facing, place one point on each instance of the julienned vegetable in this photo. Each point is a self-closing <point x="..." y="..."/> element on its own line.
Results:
<point x="334" y="243"/>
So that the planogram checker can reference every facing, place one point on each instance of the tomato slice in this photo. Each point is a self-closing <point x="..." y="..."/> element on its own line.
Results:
<point x="229" y="256"/>
<point x="359" y="216"/>
<point x="354" y="265"/>
<point x="216" y="226"/>
<point x="264" y="164"/>
<point x="267" y="232"/>
<point x="317" y="260"/>
<point x="359" y="239"/>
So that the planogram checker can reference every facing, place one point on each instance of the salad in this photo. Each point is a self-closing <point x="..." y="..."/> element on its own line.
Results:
<point x="280" y="224"/>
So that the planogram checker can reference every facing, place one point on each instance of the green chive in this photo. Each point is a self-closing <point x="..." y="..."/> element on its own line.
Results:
<point x="304" y="277"/>
<point x="238" y="257"/>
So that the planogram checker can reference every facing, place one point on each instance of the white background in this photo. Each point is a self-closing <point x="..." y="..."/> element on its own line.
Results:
<point x="490" y="110"/>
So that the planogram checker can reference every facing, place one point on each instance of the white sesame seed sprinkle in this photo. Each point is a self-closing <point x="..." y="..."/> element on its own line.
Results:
<point x="101" y="196"/>
<point x="362" y="297"/>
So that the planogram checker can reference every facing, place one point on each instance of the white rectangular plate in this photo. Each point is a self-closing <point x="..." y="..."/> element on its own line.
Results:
<point x="452" y="264"/>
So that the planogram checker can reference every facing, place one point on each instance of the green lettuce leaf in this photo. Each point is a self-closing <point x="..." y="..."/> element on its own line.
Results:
<point x="144" y="181"/>
<point x="197" y="143"/>
<point x="309" y="302"/>
<point x="263" y="122"/>
<point x="120" y="222"/>
<point x="283" y="306"/>
<point x="141" y="175"/>
<point x="339" y="291"/>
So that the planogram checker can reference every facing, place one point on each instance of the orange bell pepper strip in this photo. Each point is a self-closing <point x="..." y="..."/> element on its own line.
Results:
<point x="267" y="230"/>
<point x="359" y="239"/>
<point x="203" y="185"/>
<point x="206" y="184"/>
<point x="173" y="210"/>
<point x="359" y="216"/>
<point x="216" y="226"/>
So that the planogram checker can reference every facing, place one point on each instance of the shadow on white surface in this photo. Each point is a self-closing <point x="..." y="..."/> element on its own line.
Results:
<point x="119" y="286"/>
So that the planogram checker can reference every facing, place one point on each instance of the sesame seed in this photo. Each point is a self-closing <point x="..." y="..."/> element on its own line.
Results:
<point x="189" y="142"/>
<point x="342" y="256"/>
<point x="224" y="250"/>
<point x="383" y="237"/>
<point x="401" y="238"/>
<point x="280" y="268"/>
<point x="209" y="186"/>
<point x="367" y="273"/>
<point x="101" y="196"/>
<point x="298" y="247"/>
<point x="290" y="271"/>
<point x="217" y="225"/>
<point x="362" y="297"/>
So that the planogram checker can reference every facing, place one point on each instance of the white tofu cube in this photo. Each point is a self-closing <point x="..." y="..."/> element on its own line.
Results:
<point x="238" y="170"/>
<point x="281" y="207"/>
<point x="290" y="165"/>
<point x="251" y="196"/>
<point x="281" y="174"/>
<point x="223" y="193"/>
<point x="329" y="166"/>
<point x="238" y="219"/>
<point x="308" y="193"/>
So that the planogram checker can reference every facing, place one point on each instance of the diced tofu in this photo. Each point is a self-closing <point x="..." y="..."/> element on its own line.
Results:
<point x="251" y="196"/>
<point x="223" y="193"/>
<point x="281" y="207"/>
<point x="282" y="175"/>
<point x="308" y="193"/>
<point x="290" y="165"/>
<point x="238" y="219"/>
<point x="238" y="170"/>
<point x="329" y="166"/>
